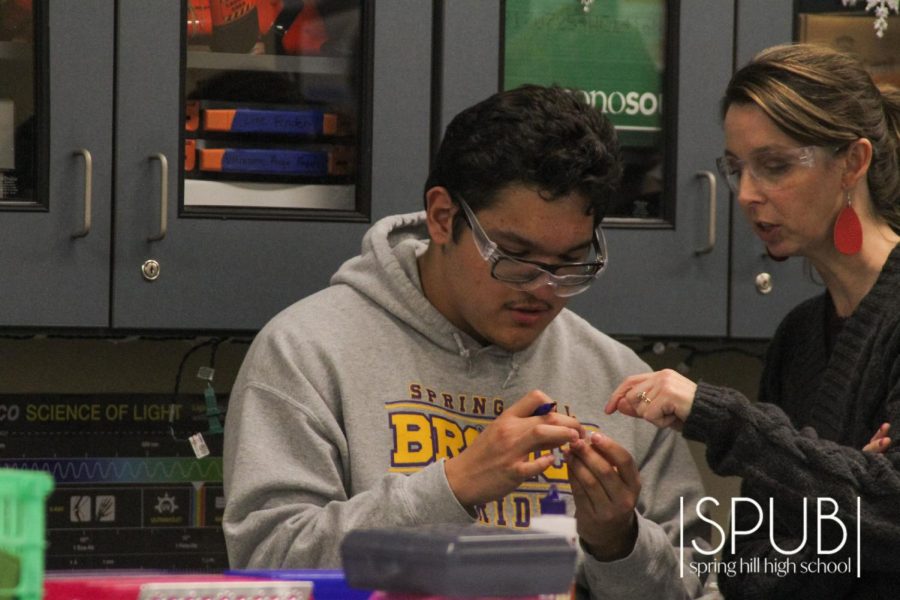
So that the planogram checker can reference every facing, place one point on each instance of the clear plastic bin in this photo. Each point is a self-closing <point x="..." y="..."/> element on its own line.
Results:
<point x="456" y="560"/>
<point x="23" y="496"/>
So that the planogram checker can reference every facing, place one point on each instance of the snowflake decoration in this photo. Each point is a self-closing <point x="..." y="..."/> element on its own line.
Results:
<point x="882" y="9"/>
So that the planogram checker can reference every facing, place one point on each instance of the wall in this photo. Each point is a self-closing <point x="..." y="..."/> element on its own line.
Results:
<point x="101" y="416"/>
<point x="53" y="365"/>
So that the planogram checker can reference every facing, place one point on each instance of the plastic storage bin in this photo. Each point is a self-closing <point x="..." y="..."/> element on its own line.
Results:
<point x="458" y="560"/>
<point x="23" y="497"/>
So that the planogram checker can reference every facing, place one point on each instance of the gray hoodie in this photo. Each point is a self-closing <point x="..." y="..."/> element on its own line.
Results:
<point x="349" y="400"/>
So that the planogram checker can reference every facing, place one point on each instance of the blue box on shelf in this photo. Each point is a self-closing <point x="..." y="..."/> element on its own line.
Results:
<point x="328" y="584"/>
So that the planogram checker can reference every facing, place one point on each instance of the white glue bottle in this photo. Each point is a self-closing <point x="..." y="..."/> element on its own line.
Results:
<point x="553" y="519"/>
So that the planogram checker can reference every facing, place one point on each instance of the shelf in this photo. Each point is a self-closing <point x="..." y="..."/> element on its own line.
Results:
<point x="199" y="192"/>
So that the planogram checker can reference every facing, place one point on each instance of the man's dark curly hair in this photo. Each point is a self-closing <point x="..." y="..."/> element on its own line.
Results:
<point x="546" y="138"/>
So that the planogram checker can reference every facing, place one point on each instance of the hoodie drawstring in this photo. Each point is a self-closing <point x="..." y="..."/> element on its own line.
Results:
<point x="513" y="369"/>
<point x="464" y="352"/>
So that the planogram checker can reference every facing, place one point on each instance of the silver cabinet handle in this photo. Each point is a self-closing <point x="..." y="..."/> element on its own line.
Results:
<point x="163" y="196"/>
<point x="711" y="235"/>
<point x="88" y="176"/>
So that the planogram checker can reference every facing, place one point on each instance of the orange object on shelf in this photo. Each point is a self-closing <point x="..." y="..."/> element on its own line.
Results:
<point x="235" y="26"/>
<point x="190" y="155"/>
<point x="199" y="19"/>
<point x="307" y="33"/>
<point x="192" y="115"/>
<point x="267" y="11"/>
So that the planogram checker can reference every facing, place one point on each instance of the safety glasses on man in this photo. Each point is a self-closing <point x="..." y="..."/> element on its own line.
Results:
<point x="566" y="279"/>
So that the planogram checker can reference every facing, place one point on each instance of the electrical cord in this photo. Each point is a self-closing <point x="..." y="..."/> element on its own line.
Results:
<point x="214" y="344"/>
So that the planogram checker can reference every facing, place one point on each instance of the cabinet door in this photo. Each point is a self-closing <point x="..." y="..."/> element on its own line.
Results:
<point x="666" y="277"/>
<point x="762" y="290"/>
<point x="227" y="270"/>
<point x="55" y="163"/>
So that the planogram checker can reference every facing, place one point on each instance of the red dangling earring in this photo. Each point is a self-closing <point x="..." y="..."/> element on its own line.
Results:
<point x="848" y="230"/>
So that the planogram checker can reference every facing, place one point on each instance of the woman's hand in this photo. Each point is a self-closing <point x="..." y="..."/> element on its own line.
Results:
<point x="880" y="441"/>
<point x="664" y="398"/>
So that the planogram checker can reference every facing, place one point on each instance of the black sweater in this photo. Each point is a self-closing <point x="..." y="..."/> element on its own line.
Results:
<point x="804" y="439"/>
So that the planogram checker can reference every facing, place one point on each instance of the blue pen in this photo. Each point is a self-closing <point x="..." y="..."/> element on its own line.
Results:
<point x="543" y="409"/>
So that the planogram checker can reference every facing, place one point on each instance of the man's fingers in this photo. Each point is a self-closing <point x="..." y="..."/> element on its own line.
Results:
<point x="529" y="403"/>
<point x="535" y="467"/>
<point x="560" y="420"/>
<point x="584" y="506"/>
<point x="545" y="436"/>
<point x="597" y="475"/>
<point x="618" y="457"/>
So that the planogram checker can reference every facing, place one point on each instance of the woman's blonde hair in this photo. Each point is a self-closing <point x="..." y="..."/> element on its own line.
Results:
<point x="823" y="97"/>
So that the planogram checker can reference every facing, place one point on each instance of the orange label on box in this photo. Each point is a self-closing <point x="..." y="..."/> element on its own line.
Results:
<point x="211" y="159"/>
<point x="218" y="119"/>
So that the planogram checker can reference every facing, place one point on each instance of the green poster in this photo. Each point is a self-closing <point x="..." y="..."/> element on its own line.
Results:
<point x="613" y="53"/>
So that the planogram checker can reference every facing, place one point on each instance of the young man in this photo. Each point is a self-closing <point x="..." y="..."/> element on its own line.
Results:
<point x="405" y="393"/>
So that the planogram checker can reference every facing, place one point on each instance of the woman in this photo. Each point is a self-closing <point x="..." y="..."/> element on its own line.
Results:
<point x="812" y="158"/>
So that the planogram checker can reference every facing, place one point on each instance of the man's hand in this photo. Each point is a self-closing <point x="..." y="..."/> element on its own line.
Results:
<point x="605" y="486"/>
<point x="497" y="462"/>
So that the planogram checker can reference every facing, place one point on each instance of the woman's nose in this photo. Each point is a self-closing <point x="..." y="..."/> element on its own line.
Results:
<point x="749" y="190"/>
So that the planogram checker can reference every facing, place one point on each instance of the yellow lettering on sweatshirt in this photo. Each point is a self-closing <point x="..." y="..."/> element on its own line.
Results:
<point x="412" y="439"/>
